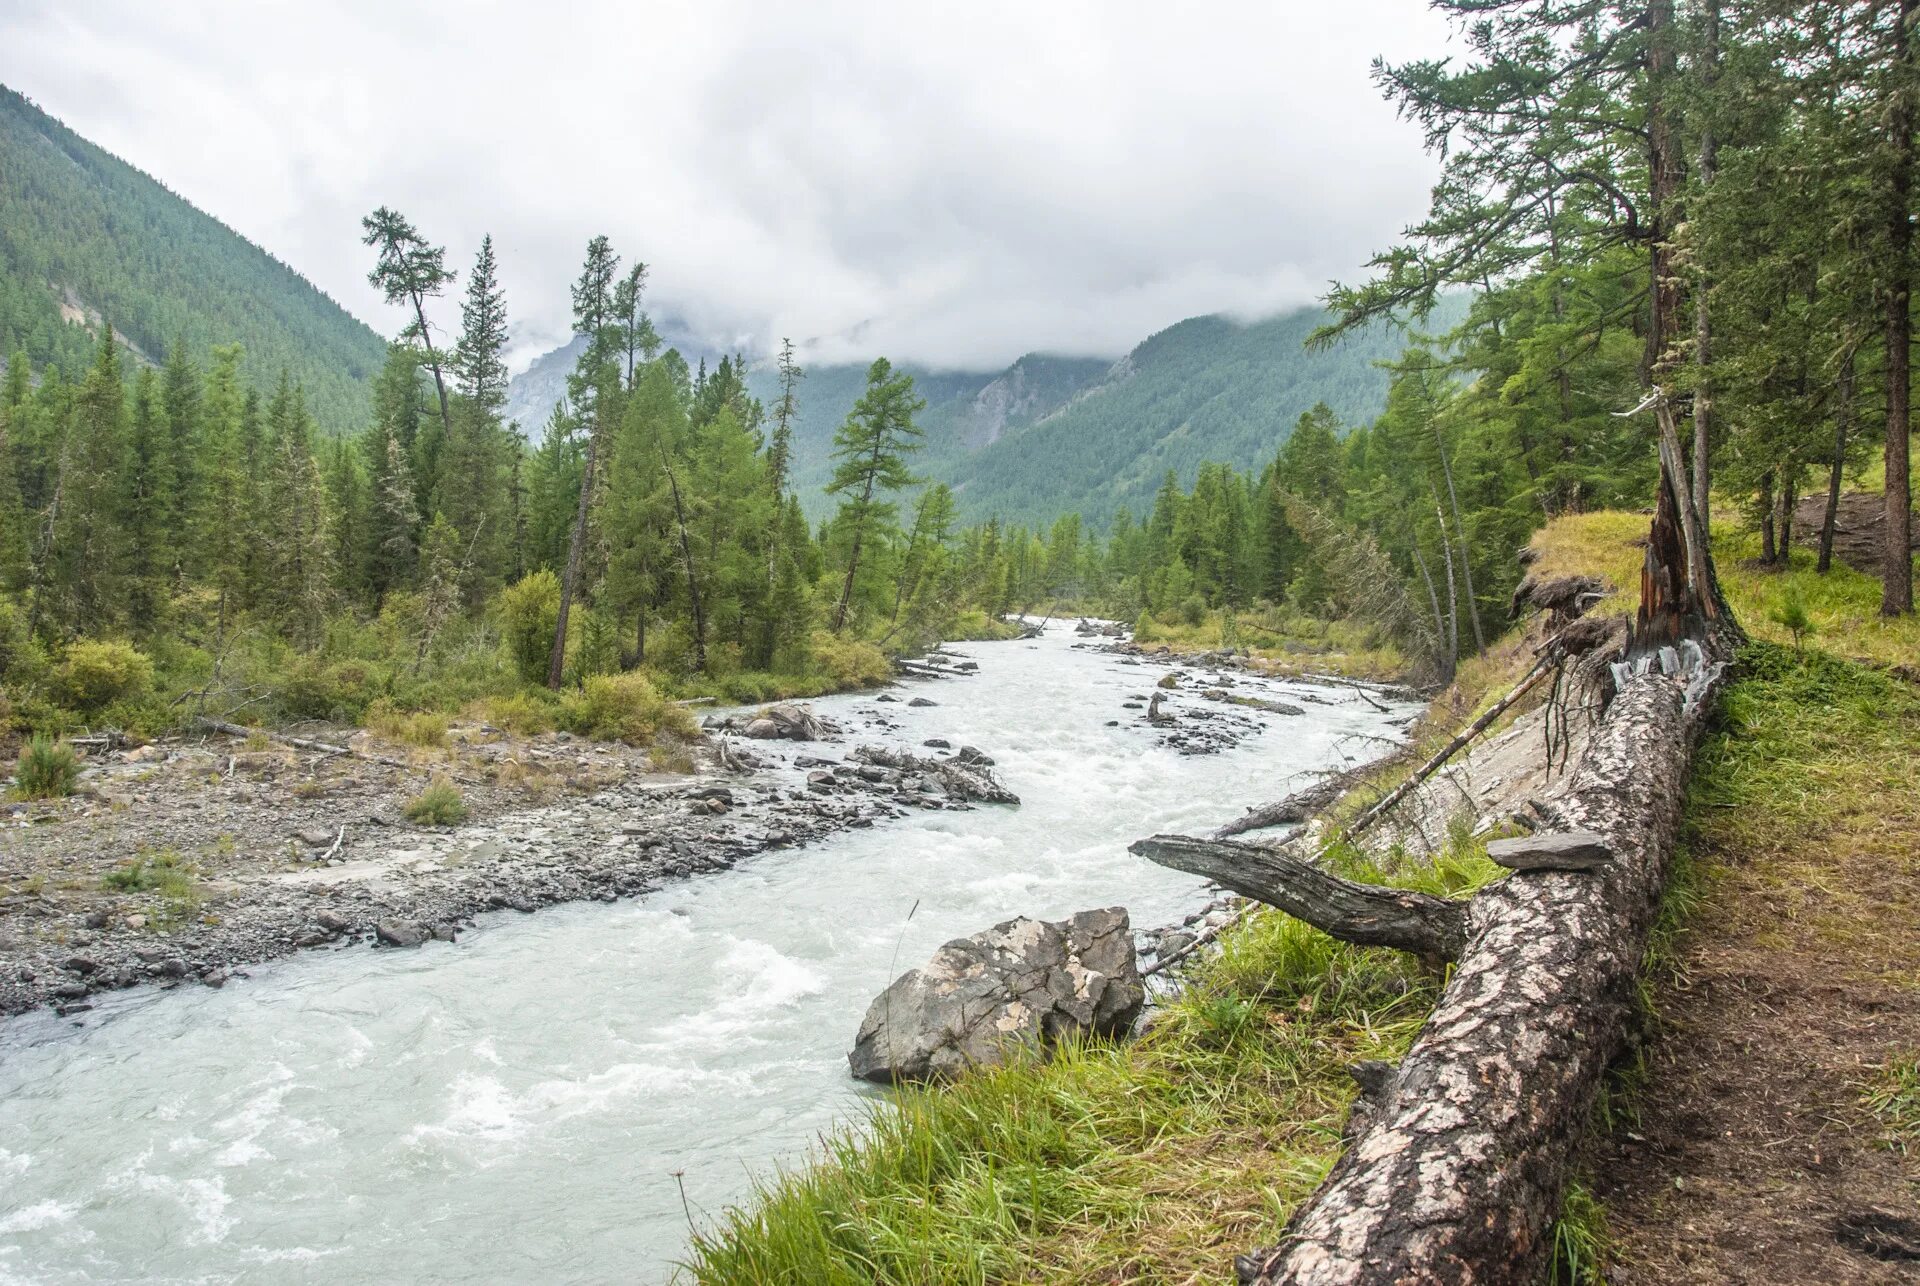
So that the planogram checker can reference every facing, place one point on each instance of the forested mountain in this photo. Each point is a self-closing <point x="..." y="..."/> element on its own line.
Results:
<point x="87" y="239"/>
<point x="1050" y="435"/>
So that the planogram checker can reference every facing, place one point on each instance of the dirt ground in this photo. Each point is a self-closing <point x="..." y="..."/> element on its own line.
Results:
<point x="1749" y="1152"/>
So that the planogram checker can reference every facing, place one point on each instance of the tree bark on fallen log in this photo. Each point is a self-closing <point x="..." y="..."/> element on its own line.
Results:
<point x="1370" y="915"/>
<point x="298" y="743"/>
<point x="1458" y="1174"/>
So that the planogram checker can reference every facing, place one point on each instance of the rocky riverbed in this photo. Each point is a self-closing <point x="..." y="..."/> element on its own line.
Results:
<point x="182" y="862"/>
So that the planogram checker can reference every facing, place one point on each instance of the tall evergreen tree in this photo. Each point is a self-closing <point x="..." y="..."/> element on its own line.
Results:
<point x="872" y="449"/>
<point x="410" y="271"/>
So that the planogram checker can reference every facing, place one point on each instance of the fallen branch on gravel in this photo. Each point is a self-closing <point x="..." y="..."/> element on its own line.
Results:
<point x="298" y="743"/>
<point x="1369" y="915"/>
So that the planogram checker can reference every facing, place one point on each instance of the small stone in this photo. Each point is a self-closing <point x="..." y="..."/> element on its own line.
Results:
<point x="215" y="978"/>
<point x="937" y="743"/>
<point x="136" y="921"/>
<point x="70" y="990"/>
<point x="922" y="702"/>
<point x="97" y="920"/>
<point x="82" y="965"/>
<point x="332" y="922"/>
<point x="316" y="837"/>
<point x="399" y="933"/>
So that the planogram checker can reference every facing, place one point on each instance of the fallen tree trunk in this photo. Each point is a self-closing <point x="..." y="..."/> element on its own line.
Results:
<point x="1370" y="915"/>
<point x="1458" y="1171"/>
<point x="298" y="743"/>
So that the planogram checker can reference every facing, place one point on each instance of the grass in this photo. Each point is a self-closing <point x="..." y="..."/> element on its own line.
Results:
<point x="48" y="769"/>
<point x="440" y="804"/>
<point x="165" y="873"/>
<point x="1286" y="641"/>
<point x="1894" y="1097"/>
<point x="1151" y="1161"/>
<point x="1841" y="608"/>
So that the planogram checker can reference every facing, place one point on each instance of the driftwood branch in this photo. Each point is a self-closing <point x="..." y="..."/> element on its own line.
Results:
<point x="1541" y="668"/>
<point x="1370" y="915"/>
<point x="298" y="743"/>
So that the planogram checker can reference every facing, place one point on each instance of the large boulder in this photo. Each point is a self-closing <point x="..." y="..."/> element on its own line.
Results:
<point x="1023" y="982"/>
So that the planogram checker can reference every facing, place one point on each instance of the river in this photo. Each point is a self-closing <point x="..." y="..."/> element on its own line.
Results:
<point x="530" y="1103"/>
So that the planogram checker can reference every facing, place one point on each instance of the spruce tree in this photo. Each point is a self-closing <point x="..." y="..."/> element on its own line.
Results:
<point x="409" y="272"/>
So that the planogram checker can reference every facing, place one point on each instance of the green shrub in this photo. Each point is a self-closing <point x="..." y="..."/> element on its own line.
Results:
<point x="523" y="713"/>
<point x="313" y="689"/>
<point x="47" y="770"/>
<point x="96" y="673"/>
<point x="529" y="611"/>
<point x="427" y="730"/>
<point x="624" y="707"/>
<point x="440" y="804"/>
<point x="850" y="663"/>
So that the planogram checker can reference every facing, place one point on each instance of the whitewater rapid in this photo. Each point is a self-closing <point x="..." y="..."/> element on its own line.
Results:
<point x="551" y="1098"/>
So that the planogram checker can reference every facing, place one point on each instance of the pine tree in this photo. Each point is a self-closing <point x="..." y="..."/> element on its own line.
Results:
<point x="298" y="564"/>
<point x="872" y="449"/>
<point x="81" y="562"/>
<point x="151" y="487"/>
<point x="410" y="272"/>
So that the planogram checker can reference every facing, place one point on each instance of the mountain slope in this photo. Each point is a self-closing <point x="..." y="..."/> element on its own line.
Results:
<point x="86" y="238"/>
<point x="1208" y="388"/>
<point x="1051" y="435"/>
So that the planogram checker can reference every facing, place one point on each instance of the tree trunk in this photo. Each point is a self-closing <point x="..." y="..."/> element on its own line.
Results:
<point x="1453" y="592"/>
<point x="1767" y="554"/>
<point x="686" y="557"/>
<point x="1460" y="530"/>
<point x="570" y="579"/>
<point x="1457" y="1174"/>
<point x="1896" y="578"/>
<point x="1783" y="501"/>
<point x="433" y="364"/>
<point x="1843" y="422"/>
<point x="1433" y="598"/>
<point x="1702" y="318"/>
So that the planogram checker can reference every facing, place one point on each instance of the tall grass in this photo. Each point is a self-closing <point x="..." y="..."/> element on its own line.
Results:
<point x="1166" y="1155"/>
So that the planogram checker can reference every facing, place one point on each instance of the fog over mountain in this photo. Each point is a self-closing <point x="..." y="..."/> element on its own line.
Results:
<point x="952" y="187"/>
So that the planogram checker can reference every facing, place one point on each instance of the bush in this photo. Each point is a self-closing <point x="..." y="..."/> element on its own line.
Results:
<point x="98" y="673"/>
<point x="428" y="731"/>
<point x="440" y="804"/>
<point x="624" y="707"/>
<point x="523" y="714"/>
<point x="529" y="611"/>
<point x="47" y="770"/>
<point x="164" y="873"/>
<point x="314" y="690"/>
<point x="850" y="663"/>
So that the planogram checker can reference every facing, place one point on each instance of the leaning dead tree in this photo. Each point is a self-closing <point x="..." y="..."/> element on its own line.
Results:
<point x="1456" y="1159"/>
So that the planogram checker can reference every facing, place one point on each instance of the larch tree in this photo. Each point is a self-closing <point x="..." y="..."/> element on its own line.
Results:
<point x="872" y="448"/>
<point x="409" y="271"/>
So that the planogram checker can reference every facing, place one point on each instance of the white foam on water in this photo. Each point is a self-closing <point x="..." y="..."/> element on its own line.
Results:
<point x="527" y="1104"/>
<point x="41" y="1214"/>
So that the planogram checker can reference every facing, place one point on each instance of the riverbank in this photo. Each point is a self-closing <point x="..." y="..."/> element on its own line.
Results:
<point x="185" y="861"/>
<point x="485" y="1100"/>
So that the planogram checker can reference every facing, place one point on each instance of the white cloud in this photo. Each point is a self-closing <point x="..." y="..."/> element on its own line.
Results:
<point x="952" y="185"/>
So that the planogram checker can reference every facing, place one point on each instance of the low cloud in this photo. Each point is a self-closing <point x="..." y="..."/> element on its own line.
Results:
<point x="948" y="186"/>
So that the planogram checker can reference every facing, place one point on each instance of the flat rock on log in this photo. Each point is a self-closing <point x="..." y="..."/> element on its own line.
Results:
<point x="1023" y="982"/>
<point x="1552" y="851"/>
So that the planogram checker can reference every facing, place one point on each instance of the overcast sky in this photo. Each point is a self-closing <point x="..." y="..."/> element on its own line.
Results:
<point x="949" y="184"/>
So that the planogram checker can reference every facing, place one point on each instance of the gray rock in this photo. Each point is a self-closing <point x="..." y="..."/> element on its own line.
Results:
<point x="331" y="922"/>
<point x="1552" y="851"/>
<point x="315" y="836"/>
<point x="922" y="702"/>
<point x="761" y="730"/>
<point x="82" y="965"/>
<point x="399" y="933"/>
<point x="937" y="743"/>
<point x="1023" y="982"/>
